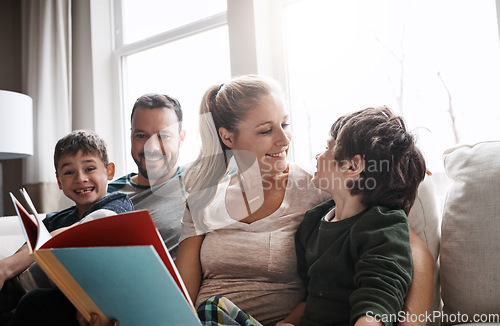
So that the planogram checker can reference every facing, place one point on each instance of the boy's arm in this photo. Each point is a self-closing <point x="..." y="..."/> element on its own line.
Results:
<point x="21" y="259"/>
<point x="419" y="298"/>
<point x="14" y="264"/>
<point x="100" y="213"/>
<point x="383" y="264"/>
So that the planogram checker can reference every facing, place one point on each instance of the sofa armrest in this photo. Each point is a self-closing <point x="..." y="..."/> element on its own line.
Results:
<point x="11" y="235"/>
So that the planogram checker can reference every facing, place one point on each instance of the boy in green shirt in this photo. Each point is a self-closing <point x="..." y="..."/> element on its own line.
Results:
<point x="353" y="252"/>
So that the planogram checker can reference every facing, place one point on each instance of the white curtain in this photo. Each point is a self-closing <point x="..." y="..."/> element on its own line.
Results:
<point x="47" y="79"/>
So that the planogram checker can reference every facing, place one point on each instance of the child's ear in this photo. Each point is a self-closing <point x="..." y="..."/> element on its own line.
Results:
<point x="111" y="170"/>
<point x="226" y="136"/>
<point x="58" y="182"/>
<point x="357" y="165"/>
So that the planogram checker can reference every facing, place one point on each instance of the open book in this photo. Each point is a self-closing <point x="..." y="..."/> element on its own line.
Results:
<point x="116" y="266"/>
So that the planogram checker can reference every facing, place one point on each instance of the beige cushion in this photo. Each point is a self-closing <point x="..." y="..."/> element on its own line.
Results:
<point x="470" y="239"/>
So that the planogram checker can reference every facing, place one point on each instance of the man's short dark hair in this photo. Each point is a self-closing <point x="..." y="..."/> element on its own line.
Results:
<point x="86" y="141"/>
<point x="155" y="101"/>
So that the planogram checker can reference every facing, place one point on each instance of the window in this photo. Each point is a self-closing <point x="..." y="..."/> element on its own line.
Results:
<point x="175" y="51"/>
<point x="146" y="18"/>
<point x="435" y="62"/>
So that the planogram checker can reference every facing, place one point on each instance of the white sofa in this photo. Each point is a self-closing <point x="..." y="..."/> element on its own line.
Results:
<point x="11" y="235"/>
<point x="464" y="240"/>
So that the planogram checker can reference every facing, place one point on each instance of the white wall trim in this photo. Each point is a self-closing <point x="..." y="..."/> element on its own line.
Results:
<point x="95" y="104"/>
<point x="172" y="35"/>
<point x="498" y="17"/>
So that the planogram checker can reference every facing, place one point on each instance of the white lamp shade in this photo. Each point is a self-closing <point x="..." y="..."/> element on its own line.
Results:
<point x="16" y="125"/>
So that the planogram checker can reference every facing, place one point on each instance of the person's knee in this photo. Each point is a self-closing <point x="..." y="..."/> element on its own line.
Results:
<point x="10" y="294"/>
<point x="44" y="307"/>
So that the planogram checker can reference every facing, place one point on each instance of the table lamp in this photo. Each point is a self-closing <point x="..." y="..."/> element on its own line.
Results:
<point x="16" y="129"/>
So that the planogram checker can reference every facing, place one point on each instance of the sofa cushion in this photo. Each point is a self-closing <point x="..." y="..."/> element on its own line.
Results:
<point x="470" y="268"/>
<point x="11" y="235"/>
<point x="424" y="216"/>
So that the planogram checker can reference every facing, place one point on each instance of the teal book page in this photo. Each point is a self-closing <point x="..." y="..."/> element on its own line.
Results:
<point x="129" y="284"/>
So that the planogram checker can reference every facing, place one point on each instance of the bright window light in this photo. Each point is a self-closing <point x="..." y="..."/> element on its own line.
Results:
<point x="435" y="62"/>
<point x="145" y="18"/>
<point x="183" y="69"/>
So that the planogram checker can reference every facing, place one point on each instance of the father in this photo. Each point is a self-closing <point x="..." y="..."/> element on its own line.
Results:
<point x="156" y="136"/>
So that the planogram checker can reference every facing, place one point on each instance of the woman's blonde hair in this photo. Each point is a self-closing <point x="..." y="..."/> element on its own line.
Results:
<point x="225" y="105"/>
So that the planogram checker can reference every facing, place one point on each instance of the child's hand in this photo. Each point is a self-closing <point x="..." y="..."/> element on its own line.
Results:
<point x="367" y="321"/>
<point x="94" y="320"/>
<point x="60" y="230"/>
<point x="2" y="278"/>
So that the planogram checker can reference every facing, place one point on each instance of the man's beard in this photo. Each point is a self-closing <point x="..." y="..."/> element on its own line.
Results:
<point x="155" y="174"/>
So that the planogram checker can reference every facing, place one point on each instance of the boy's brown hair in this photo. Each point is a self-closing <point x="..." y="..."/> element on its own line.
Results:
<point x="394" y="166"/>
<point x="86" y="141"/>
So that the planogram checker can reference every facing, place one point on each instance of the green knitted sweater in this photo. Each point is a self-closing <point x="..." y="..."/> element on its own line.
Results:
<point x="354" y="267"/>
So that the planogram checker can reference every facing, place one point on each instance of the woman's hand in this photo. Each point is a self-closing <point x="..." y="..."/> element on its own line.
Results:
<point x="418" y="301"/>
<point x="94" y="320"/>
<point x="293" y="319"/>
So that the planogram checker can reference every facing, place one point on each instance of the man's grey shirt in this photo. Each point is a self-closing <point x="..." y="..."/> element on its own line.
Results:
<point x="165" y="202"/>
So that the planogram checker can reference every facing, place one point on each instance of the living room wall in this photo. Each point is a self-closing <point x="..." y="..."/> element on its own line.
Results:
<point x="91" y="88"/>
<point x="11" y="80"/>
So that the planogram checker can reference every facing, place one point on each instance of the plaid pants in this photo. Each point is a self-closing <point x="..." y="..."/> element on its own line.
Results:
<point x="220" y="311"/>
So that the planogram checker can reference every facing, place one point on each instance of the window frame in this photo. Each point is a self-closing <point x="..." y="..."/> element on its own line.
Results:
<point x="256" y="42"/>
<point x="253" y="50"/>
<point x="121" y="51"/>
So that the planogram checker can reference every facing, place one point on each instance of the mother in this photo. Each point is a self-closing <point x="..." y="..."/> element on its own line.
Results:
<point x="238" y="235"/>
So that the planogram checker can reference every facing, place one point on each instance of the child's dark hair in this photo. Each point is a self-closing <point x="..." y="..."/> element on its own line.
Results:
<point x="394" y="166"/>
<point x="155" y="101"/>
<point x="86" y="141"/>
